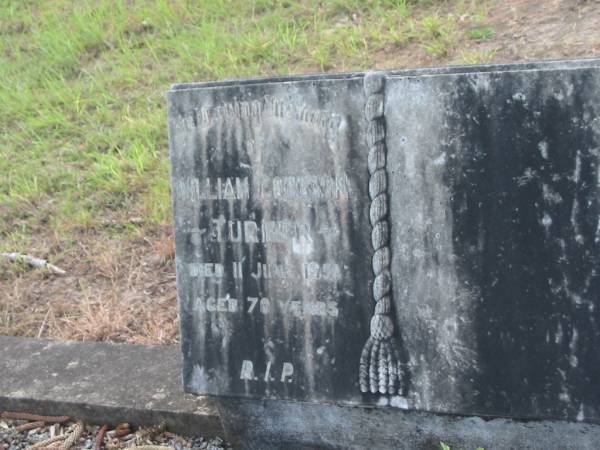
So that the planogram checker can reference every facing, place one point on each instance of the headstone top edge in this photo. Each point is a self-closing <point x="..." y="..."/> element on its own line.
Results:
<point x="512" y="70"/>
<point x="555" y="64"/>
<point x="307" y="78"/>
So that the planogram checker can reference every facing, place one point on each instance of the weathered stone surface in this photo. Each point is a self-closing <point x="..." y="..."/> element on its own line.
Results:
<point x="496" y="238"/>
<point x="425" y="239"/>
<point x="273" y="238"/>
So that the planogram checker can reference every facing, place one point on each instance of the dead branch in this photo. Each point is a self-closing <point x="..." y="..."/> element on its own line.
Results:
<point x="100" y="437"/>
<point x="29" y="426"/>
<point x="38" y="263"/>
<point x="33" y="417"/>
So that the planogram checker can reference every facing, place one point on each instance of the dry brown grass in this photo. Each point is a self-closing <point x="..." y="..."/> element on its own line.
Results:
<point x="118" y="290"/>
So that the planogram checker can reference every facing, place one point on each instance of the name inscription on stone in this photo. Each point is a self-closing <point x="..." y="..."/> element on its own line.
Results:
<point x="266" y="202"/>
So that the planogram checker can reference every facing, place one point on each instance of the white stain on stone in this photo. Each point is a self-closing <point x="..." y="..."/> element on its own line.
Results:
<point x="199" y="378"/>
<point x="573" y="361"/>
<point x="528" y="175"/>
<point x="398" y="401"/>
<point x="73" y="364"/>
<point x="577" y="173"/>
<point x="573" y="348"/>
<point x="302" y="245"/>
<point x="550" y="195"/>
<point x="546" y="221"/>
<point x="159" y="396"/>
<point x="559" y="334"/>
<point x="559" y="96"/>
<point x="580" y="414"/>
<point x="543" y="148"/>
<point x="440" y="160"/>
<point x="383" y="400"/>
<point x="574" y="216"/>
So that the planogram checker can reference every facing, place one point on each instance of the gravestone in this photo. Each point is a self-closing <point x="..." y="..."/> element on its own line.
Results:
<point x="423" y="239"/>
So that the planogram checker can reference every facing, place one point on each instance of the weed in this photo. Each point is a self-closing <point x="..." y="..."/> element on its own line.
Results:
<point x="433" y="27"/>
<point x="439" y="35"/>
<point x="437" y="48"/>
<point x="480" y="34"/>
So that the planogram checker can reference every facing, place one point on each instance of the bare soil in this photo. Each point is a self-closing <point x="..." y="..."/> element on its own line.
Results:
<point x="523" y="30"/>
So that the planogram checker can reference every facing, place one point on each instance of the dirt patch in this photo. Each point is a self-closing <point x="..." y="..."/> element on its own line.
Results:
<point x="521" y="30"/>
<point x="527" y="29"/>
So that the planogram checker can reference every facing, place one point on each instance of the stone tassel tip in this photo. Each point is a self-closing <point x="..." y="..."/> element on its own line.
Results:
<point x="379" y="370"/>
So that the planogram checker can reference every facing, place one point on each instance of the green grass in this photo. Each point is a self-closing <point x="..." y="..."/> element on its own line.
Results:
<point x="82" y="110"/>
<point x="480" y="33"/>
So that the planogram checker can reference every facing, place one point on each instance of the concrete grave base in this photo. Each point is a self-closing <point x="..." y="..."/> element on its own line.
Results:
<point x="111" y="383"/>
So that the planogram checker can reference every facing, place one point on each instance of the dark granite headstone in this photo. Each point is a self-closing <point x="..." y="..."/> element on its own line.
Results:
<point x="423" y="239"/>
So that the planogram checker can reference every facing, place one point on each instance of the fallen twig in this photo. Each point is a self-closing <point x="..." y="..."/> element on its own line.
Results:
<point x="100" y="437"/>
<point x="34" y="417"/>
<point x="29" y="426"/>
<point x="41" y="330"/>
<point x="38" y="263"/>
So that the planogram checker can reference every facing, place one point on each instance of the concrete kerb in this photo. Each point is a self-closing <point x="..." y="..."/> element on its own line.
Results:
<point x="102" y="383"/>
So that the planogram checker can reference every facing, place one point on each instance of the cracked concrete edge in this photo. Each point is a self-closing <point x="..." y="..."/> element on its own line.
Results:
<point x="111" y="383"/>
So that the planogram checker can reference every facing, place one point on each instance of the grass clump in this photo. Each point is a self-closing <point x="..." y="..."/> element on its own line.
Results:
<point x="480" y="33"/>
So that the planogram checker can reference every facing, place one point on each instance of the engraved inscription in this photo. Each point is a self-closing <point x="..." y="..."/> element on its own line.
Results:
<point x="257" y="109"/>
<point x="263" y="305"/>
<point x="264" y="198"/>
<point x="306" y="187"/>
<point x="248" y="373"/>
<point x="329" y="271"/>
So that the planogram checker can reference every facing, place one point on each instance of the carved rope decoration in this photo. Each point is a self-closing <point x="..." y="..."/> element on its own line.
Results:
<point x="379" y="369"/>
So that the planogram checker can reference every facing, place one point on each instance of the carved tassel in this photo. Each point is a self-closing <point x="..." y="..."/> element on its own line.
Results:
<point x="379" y="371"/>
